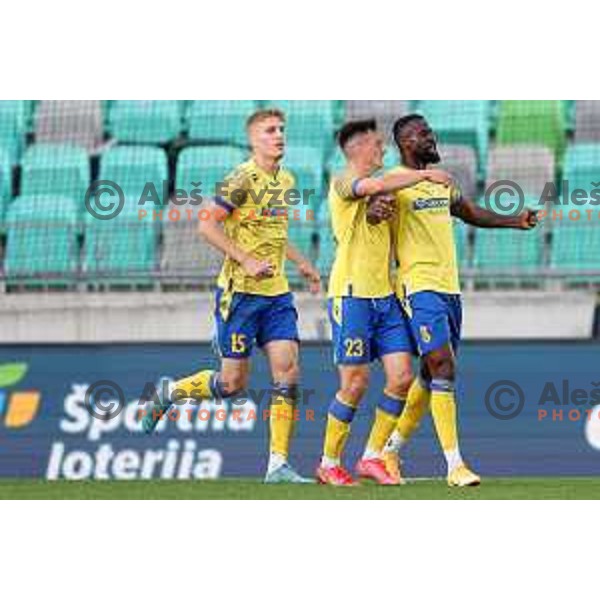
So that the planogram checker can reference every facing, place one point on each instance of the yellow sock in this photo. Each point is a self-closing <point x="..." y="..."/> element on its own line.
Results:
<point x="337" y="431"/>
<point x="386" y="418"/>
<point x="198" y="386"/>
<point x="443" y="411"/>
<point x="281" y="422"/>
<point x="417" y="404"/>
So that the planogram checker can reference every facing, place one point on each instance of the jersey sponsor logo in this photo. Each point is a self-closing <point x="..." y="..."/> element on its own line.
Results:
<point x="430" y="203"/>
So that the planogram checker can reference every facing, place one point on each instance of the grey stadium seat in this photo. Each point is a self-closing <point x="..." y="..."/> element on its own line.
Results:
<point x="461" y="163"/>
<point x="385" y="111"/>
<point x="185" y="253"/>
<point x="531" y="167"/>
<point x="587" y="120"/>
<point x="70" y="121"/>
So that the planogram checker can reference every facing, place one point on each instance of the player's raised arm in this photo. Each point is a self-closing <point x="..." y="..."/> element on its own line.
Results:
<point x="305" y="268"/>
<point x="393" y="182"/>
<point x="469" y="212"/>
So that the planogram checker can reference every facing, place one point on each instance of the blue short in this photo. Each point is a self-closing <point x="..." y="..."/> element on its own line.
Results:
<point x="435" y="320"/>
<point x="243" y="319"/>
<point x="365" y="329"/>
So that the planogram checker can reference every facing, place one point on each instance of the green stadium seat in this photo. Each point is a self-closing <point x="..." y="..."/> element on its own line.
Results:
<point x="540" y="122"/>
<point x="42" y="241"/>
<point x="508" y="250"/>
<point x="327" y="245"/>
<point x="309" y="123"/>
<point x="221" y="121"/>
<point x="581" y="170"/>
<point x="208" y="165"/>
<point x="145" y="121"/>
<point x="306" y="165"/>
<point x="575" y="247"/>
<point x="55" y="170"/>
<point x="461" y="239"/>
<point x="460" y="122"/>
<point x="13" y="125"/>
<point x="121" y="250"/>
<point x="5" y="183"/>
<point x="132" y="168"/>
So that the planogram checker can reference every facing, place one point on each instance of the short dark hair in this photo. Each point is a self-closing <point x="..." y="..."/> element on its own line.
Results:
<point x="402" y="122"/>
<point x="354" y="128"/>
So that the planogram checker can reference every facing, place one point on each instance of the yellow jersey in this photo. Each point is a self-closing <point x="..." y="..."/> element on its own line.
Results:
<point x="362" y="261"/>
<point x="424" y="238"/>
<point x="257" y="223"/>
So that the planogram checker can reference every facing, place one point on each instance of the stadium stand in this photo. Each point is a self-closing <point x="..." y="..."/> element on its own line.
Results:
<point x="50" y="151"/>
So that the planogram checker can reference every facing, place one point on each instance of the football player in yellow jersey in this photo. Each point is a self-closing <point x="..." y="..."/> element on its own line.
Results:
<point x="428" y="286"/>
<point x="366" y="318"/>
<point x="249" y="225"/>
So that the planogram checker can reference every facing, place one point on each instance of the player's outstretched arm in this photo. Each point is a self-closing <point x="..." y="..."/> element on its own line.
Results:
<point x="471" y="213"/>
<point x="397" y="181"/>
<point x="305" y="268"/>
<point x="211" y="229"/>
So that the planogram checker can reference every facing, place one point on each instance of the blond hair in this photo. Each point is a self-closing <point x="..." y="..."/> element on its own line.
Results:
<point x="262" y="114"/>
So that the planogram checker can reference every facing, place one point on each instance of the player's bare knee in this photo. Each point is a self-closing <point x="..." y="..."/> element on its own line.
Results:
<point x="355" y="386"/>
<point x="441" y="365"/>
<point x="399" y="384"/>
<point x="233" y="383"/>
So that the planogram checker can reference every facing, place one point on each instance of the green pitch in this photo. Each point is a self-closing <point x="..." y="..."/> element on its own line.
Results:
<point x="241" y="489"/>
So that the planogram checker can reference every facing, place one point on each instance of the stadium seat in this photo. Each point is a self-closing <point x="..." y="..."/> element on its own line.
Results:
<point x="121" y="250"/>
<point x="222" y="121"/>
<point x="208" y="165"/>
<point x="508" y="250"/>
<point x="306" y="165"/>
<point x="5" y="183"/>
<point x="530" y="167"/>
<point x="42" y="244"/>
<point x="326" y="254"/>
<point x="384" y="111"/>
<point x="587" y="121"/>
<point x="581" y="170"/>
<point x="12" y="128"/>
<point x="461" y="163"/>
<point x="185" y="254"/>
<point x="56" y="171"/>
<point x="461" y="123"/>
<point x="132" y="168"/>
<point x="145" y="121"/>
<point x="309" y="123"/>
<point x="77" y="122"/>
<point x="575" y="247"/>
<point x="533" y="122"/>
<point x="461" y="239"/>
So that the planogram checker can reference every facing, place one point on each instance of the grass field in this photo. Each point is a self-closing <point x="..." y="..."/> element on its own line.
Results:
<point x="240" y="489"/>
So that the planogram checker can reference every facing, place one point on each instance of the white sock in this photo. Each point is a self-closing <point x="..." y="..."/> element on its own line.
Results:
<point x="370" y="454"/>
<point x="276" y="461"/>
<point x="395" y="443"/>
<point x="453" y="458"/>
<point x="329" y="463"/>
